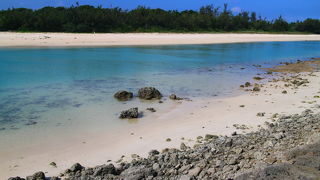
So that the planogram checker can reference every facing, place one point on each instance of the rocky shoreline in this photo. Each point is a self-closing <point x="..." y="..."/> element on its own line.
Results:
<point x="288" y="147"/>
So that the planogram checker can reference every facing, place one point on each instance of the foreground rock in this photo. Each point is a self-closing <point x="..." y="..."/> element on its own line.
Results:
<point x="289" y="148"/>
<point x="304" y="163"/>
<point x="149" y="93"/>
<point x="129" y="114"/>
<point x="37" y="176"/>
<point x="123" y="95"/>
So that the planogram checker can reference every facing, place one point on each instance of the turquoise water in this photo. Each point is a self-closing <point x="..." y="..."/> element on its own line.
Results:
<point x="39" y="83"/>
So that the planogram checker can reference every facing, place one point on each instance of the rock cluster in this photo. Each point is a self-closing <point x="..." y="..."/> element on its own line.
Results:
<point x="288" y="148"/>
<point x="36" y="176"/>
<point x="130" y="113"/>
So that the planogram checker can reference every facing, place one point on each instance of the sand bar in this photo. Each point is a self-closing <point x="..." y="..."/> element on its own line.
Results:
<point x="11" y="39"/>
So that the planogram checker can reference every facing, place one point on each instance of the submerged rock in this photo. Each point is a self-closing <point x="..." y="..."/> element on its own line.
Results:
<point x="123" y="95"/>
<point x="30" y="123"/>
<point x="130" y="113"/>
<point x="149" y="93"/>
<point x="175" y="97"/>
<point x="247" y="84"/>
<point x="257" y="78"/>
<point x="151" y="109"/>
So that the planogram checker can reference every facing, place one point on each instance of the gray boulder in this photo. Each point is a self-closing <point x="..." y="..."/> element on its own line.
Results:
<point x="149" y="93"/>
<point x="37" y="176"/>
<point x="104" y="170"/>
<point x="129" y="114"/>
<point x="123" y="95"/>
<point x="76" y="167"/>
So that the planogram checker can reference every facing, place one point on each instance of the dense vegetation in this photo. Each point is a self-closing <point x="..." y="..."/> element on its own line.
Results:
<point x="98" y="19"/>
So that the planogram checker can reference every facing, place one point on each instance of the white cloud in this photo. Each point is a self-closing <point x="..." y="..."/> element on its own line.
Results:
<point x="236" y="9"/>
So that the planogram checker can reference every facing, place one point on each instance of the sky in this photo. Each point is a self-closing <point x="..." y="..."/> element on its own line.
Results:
<point x="290" y="10"/>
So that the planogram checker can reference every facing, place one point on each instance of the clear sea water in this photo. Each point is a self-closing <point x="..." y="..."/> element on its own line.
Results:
<point x="41" y="88"/>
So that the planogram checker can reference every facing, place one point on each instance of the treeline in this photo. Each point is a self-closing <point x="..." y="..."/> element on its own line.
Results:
<point x="98" y="19"/>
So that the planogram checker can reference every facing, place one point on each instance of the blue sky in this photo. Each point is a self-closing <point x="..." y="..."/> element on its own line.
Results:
<point x="290" y="9"/>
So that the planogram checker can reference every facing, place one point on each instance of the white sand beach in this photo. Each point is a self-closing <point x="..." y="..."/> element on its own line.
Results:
<point x="12" y="39"/>
<point x="187" y="119"/>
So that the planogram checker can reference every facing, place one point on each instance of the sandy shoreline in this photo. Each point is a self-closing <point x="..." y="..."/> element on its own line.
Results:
<point x="10" y="39"/>
<point x="188" y="120"/>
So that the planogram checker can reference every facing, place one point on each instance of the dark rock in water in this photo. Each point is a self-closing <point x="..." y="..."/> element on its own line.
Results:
<point x="123" y="95"/>
<point x="149" y="93"/>
<point x="14" y="128"/>
<point x="30" y="123"/>
<point x="77" y="105"/>
<point x="16" y="178"/>
<point x="257" y="78"/>
<point x="37" y="176"/>
<point x="175" y="97"/>
<point x="2" y="129"/>
<point x="151" y="109"/>
<point x="247" y="84"/>
<point x="130" y="113"/>
<point x="76" y="167"/>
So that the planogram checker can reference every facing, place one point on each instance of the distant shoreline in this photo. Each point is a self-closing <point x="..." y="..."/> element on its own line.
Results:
<point x="32" y="40"/>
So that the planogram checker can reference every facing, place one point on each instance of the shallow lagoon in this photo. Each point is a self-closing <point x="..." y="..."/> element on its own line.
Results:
<point x="45" y="88"/>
